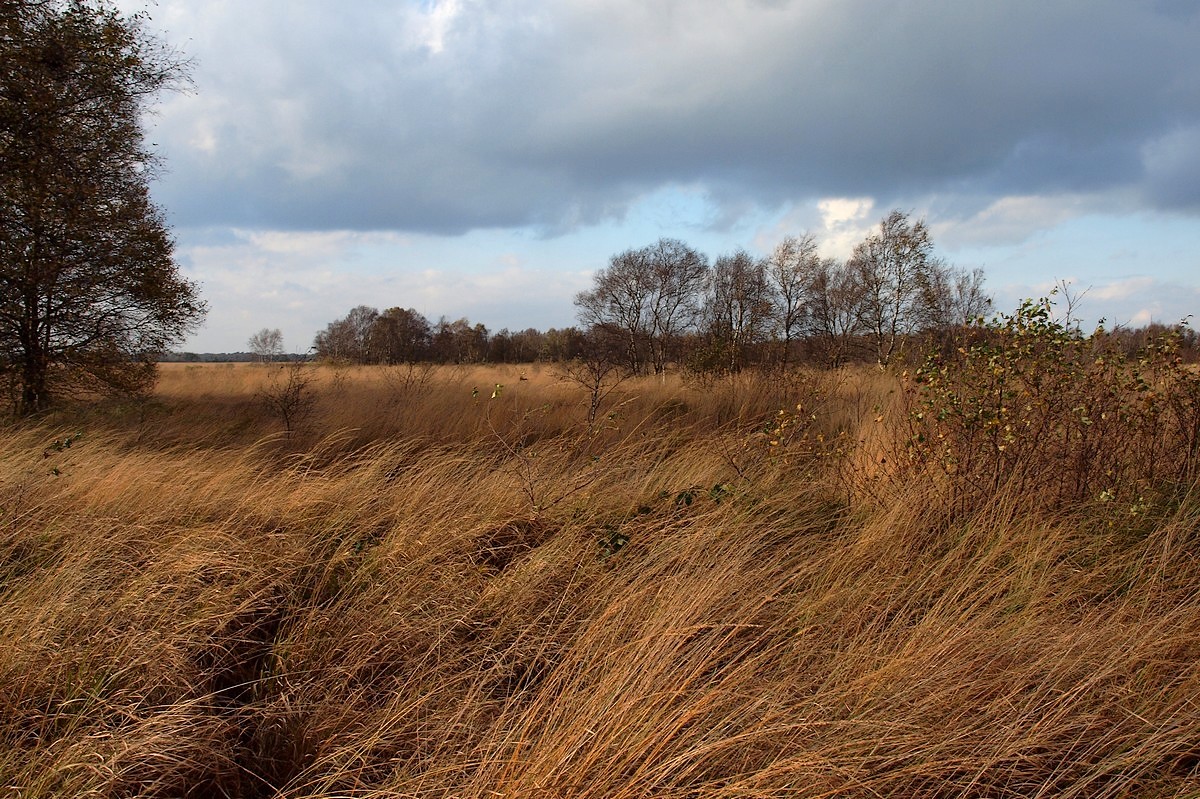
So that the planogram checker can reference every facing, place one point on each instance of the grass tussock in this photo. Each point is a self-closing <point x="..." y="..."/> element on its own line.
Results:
<point x="750" y="588"/>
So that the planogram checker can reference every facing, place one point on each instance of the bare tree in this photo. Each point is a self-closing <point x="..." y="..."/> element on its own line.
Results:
<point x="834" y="303"/>
<point x="598" y="368"/>
<point x="891" y="268"/>
<point x="953" y="299"/>
<point x="619" y="301"/>
<point x="791" y="270"/>
<point x="652" y="295"/>
<point x="679" y="275"/>
<point x="739" y="307"/>
<point x="267" y="344"/>
<point x="288" y="395"/>
<point x="967" y="300"/>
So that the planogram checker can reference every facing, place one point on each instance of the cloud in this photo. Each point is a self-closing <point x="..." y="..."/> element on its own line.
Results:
<point x="837" y="223"/>
<point x="845" y="222"/>
<point x="1172" y="164"/>
<point x="1129" y="302"/>
<point x="453" y="115"/>
<point x="435" y="23"/>
<point x="1010" y="219"/>
<point x="301" y="281"/>
<point x="1123" y="289"/>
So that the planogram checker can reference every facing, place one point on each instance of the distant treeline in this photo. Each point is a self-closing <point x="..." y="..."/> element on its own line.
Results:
<point x="461" y="342"/>
<point x="667" y="305"/>
<point x="224" y="357"/>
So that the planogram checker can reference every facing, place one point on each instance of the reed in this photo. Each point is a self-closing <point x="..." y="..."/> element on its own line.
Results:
<point x="428" y="591"/>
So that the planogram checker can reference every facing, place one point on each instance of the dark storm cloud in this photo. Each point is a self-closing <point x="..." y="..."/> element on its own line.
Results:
<point x="455" y="115"/>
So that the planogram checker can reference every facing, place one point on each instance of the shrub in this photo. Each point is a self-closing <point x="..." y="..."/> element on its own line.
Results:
<point x="1069" y="418"/>
<point x="288" y="395"/>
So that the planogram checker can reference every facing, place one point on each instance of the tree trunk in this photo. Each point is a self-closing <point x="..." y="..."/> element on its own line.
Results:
<point x="34" y="397"/>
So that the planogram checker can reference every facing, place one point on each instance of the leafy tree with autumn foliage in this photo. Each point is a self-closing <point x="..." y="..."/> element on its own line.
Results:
<point x="89" y="289"/>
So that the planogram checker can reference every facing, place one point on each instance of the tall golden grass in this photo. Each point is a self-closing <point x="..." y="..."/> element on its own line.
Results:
<point x="427" y="591"/>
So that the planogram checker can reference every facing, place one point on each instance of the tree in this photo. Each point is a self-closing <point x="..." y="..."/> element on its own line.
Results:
<point x="834" y="298"/>
<point x="526" y="345"/>
<point x="738" y="307"/>
<point x="267" y="344"/>
<point x="562" y="345"/>
<point x="953" y="299"/>
<point x="597" y="368"/>
<point x="791" y="270"/>
<point x="288" y="394"/>
<point x="620" y="302"/>
<point x="349" y="338"/>
<point x="678" y="276"/>
<point x="399" y="335"/>
<point x="89" y="289"/>
<point x="459" y="341"/>
<point x="652" y="295"/>
<point x="891" y="268"/>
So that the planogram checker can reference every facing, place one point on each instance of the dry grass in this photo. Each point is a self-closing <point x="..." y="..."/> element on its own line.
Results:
<point x="423" y="592"/>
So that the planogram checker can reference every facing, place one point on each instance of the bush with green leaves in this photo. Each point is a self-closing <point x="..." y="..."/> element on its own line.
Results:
<point x="1066" y="417"/>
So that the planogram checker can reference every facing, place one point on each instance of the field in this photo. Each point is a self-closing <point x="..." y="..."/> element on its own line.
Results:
<point x="447" y="583"/>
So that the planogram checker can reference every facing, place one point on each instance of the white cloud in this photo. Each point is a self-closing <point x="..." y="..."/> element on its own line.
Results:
<point x="1123" y="289"/>
<point x="845" y="221"/>
<point x="435" y="23"/>
<point x="299" y="282"/>
<point x="837" y="223"/>
<point x="323" y="244"/>
<point x="1010" y="220"/>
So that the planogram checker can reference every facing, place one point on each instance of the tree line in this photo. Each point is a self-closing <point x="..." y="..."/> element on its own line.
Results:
<point x="665" y="304"/>
<point x="367" y="335"/>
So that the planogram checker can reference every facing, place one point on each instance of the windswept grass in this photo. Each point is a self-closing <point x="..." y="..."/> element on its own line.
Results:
<point x="425" y="591"/>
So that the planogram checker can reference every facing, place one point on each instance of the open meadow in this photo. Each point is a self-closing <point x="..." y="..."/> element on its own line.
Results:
<point x="446" y="582"/>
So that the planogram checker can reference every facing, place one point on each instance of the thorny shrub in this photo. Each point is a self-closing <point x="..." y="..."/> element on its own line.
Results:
<point x="1070" y="418"/>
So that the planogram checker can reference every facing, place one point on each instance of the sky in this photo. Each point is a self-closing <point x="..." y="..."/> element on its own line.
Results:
<point x="483" y="158"/>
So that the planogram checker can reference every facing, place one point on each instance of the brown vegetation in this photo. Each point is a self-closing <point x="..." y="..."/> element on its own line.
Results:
<point x="450" y="583"/>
